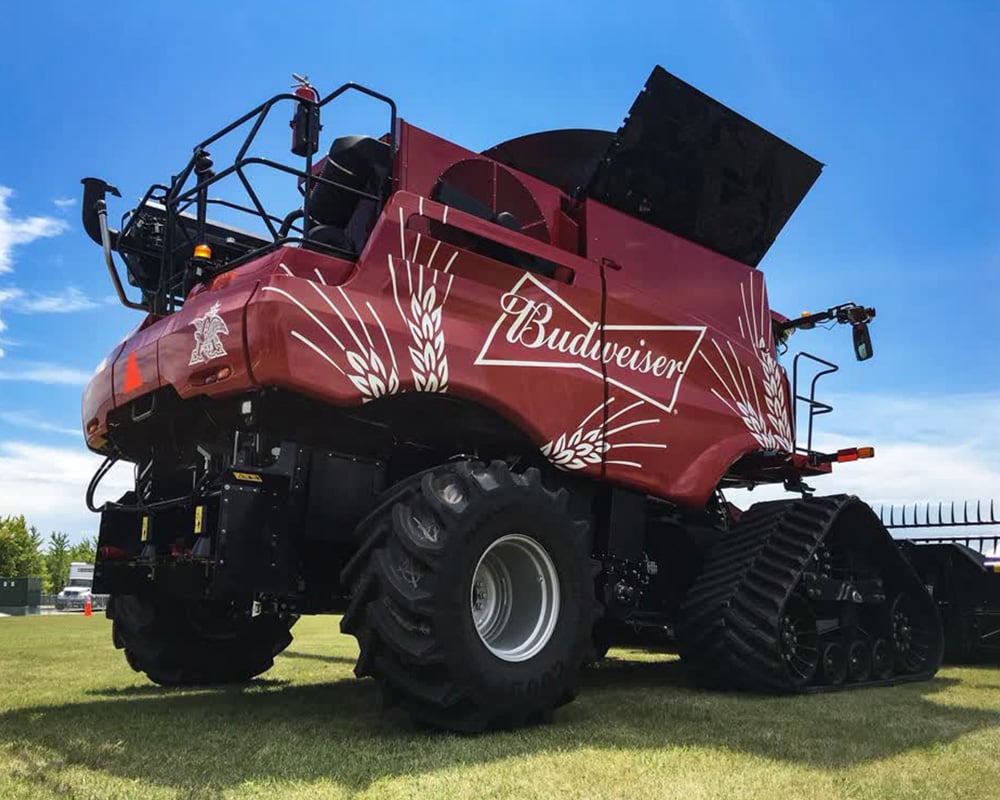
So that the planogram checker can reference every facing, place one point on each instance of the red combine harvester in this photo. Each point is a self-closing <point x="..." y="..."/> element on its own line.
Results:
<point x="484" y="405"/>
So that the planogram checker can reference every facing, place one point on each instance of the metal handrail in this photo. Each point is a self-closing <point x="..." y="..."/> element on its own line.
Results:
<point x="816" y="407"/>
<point x="175" y="198"/>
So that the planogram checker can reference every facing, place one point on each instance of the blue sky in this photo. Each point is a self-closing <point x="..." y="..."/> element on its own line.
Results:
<point x="899" y="100"/>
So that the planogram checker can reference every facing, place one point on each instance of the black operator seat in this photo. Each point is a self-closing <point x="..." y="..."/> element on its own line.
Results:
<point x="357" y="164"/>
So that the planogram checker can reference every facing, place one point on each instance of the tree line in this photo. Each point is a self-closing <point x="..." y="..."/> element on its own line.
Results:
<point x="24" y="553"/>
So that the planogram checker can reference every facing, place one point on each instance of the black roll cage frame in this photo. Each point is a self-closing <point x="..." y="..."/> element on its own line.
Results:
<point x="176" y="201"/>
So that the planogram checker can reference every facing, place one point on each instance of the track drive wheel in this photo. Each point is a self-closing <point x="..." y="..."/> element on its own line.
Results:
<point x="189" y="642"/>
<point x="799" y="641"/>
<point x="473" y="598"/>
<point x="911" y="634"/>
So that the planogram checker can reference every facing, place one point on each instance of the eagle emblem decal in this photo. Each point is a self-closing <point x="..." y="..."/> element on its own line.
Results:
<point x="207" y="330"/>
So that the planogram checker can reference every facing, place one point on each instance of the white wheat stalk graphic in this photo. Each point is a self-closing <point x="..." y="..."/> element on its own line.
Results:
<point x="367" y="371"/>
<point x="371" y="376"/>
<point x="771" y="429"/>
<point x="743" y="398"/>
<point x="420" y="303"/>
<point x="422" y="316"/>
<point x="755" y="328"/>
<point x="585" y="446"/>
<point x="577" y="449"/>
<point x="422" y="312"/>
<point x="774" y="397"/>
<point x="430" y="365"/>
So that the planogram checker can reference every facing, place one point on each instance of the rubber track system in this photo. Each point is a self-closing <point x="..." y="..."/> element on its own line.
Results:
<point x="731" y="623"/>
<point x="410" y="597"/>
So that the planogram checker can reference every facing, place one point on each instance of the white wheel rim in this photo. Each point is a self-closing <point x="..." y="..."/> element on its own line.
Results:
<point x="514" y="598"/>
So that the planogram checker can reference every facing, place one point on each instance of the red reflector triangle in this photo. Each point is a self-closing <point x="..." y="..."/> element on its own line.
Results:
<point x="133" y="378"/>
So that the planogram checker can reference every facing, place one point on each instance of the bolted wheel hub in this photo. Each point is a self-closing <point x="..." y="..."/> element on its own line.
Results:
<point x="799" y="640"/>
<point x="834" y="662"/>
<point x="514" y="597"/>
<point x="910" y="636"/>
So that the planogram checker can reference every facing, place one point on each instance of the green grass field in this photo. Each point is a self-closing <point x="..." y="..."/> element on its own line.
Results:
<point x="75" y="721"/>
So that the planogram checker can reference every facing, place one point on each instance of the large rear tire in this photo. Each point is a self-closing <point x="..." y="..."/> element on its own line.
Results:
<point x="189" y="643"/>
<point x="473" y="599"/>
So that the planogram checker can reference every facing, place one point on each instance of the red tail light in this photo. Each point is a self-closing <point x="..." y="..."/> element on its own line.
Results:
<point x="854" y="453"/>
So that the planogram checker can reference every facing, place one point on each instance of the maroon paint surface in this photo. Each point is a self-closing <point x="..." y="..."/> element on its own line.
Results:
<point x="674" y="317"/>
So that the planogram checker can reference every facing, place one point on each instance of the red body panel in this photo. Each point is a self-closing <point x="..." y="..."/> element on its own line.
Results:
<point x="647" y="360"/>
<point x="98" y="400"/>
<point x="731" y="403"/>
<point x="414" y="322"/>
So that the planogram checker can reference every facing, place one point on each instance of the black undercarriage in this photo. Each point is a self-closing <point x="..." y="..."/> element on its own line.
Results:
<point x="256" y="502"/>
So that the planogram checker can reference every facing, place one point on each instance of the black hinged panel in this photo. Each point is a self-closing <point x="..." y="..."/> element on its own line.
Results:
<point x="256" y="550"/>
<point x="342" y="489"/>
<point x="686" y="163"/>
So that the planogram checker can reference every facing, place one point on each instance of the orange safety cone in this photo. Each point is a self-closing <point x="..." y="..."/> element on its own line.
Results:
<point x="88" y="607"/>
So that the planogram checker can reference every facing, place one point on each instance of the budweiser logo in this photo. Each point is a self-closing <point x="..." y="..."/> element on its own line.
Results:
<point x="537" y="328"/>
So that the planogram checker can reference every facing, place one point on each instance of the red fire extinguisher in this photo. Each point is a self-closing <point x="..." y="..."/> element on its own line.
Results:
<point x="305" y="124"/>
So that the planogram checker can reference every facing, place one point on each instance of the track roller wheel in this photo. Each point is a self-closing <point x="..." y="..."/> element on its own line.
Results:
<point x="911" y="634"/>
<point x="799" y="640"/>
<point x="191" y="642"/>
<point x="473" y="598"/>
<point x="882" y="660"/>
<point x="859" y="661"/>
<point x="834" y="663"/>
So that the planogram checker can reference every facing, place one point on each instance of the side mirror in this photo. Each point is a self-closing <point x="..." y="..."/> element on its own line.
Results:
<point x="862" y="341"/>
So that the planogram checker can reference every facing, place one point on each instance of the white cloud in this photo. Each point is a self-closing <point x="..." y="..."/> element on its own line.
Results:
<point x="5" y="294"/>
<point x="48" y="485"/>
<point x="927" y="448"/>
<point x="28" y="421"/>
<point x="71" y="299"/>
<point x="18" y="231"/>
<point x="66" y="302"/>
<point x="38" y="372"/>
<point x="64" y="202"/>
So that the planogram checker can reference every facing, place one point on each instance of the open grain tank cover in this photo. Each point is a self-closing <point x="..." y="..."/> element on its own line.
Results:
<point x="686" y="163"/>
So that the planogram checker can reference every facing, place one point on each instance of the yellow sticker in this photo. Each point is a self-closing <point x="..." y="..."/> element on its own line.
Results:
<point x="248" y="476"/>
<point x="145" y="528"/>
<point x="199" y="513"/>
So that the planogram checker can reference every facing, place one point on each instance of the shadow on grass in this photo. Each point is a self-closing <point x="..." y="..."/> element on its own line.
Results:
<point x="220" y="738"/>
<point x="153" y="690"/>
<point x="317" y="657"/>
